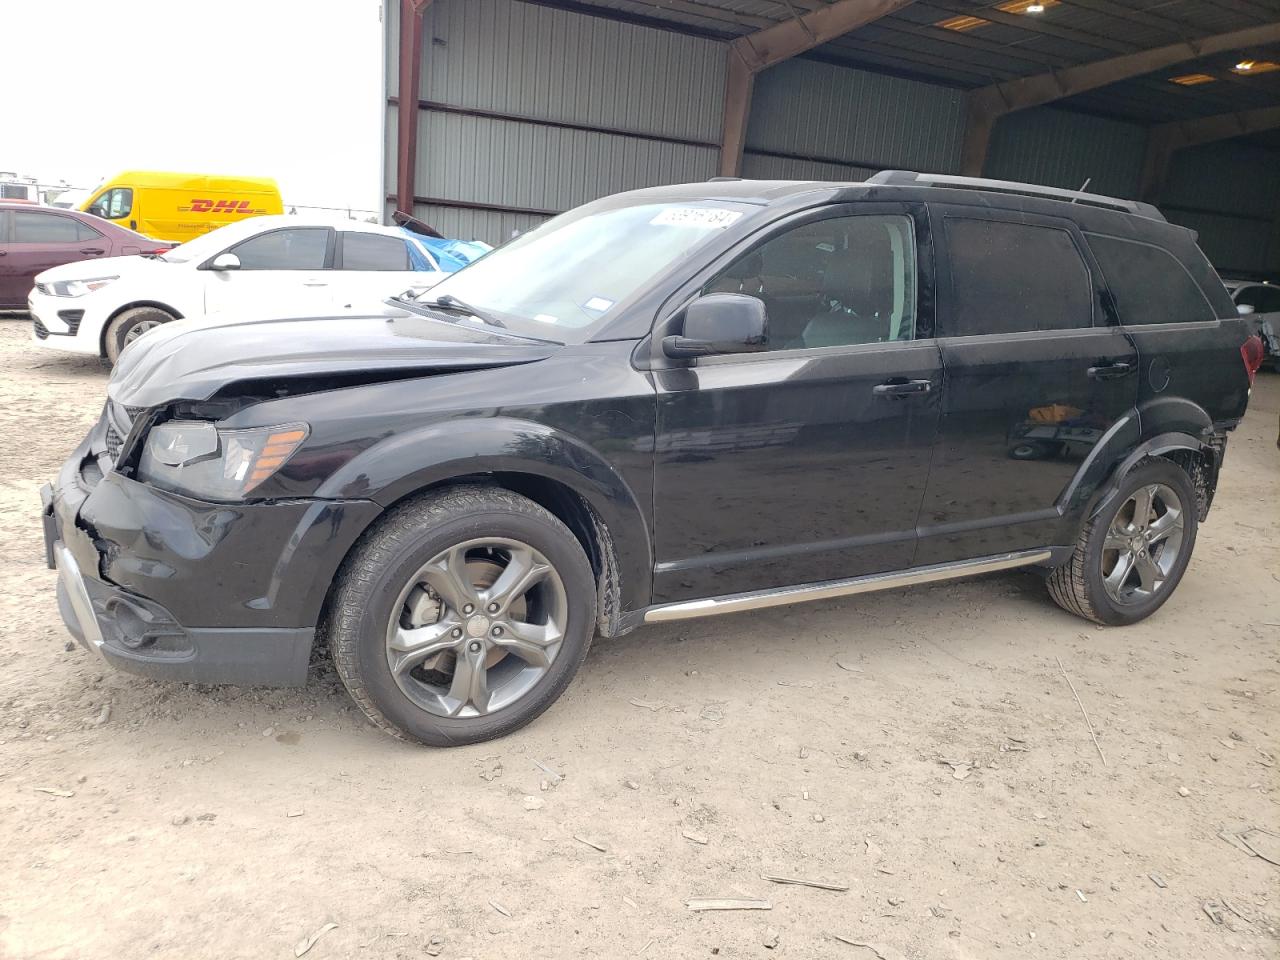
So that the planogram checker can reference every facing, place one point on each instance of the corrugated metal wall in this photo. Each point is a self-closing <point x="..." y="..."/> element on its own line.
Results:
<point x="804" y="111"/>
<point x="1230" y="193"/>
<point x="535" y="110"/>
<point x="1060" y="148"/>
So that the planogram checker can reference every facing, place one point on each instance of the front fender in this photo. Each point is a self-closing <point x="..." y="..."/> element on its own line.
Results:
<point x="436" y="453"/>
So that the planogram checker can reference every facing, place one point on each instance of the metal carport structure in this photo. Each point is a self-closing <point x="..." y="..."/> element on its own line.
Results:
<point x="525" y="108"/>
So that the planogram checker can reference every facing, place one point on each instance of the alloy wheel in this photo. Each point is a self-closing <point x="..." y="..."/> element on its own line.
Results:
<point x="138" y="329"/>
<point x="477" y="627"/>
<point x="1143" y="544"/>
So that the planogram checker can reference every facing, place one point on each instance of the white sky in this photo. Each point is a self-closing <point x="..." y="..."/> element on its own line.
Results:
<point x="289" y="89"/>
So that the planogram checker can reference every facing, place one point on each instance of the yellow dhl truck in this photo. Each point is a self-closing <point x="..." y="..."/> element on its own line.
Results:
<point x="180" y="206"/>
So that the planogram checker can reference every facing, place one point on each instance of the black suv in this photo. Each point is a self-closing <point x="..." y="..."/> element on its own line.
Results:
<point x="670" y="403"/>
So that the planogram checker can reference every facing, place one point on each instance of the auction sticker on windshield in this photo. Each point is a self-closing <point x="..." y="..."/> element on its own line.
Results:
<point x="701" y="217"/>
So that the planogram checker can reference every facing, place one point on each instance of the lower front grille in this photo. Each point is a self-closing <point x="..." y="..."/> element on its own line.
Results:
<point x="42" y="332"/>
<point x="72" y="319"/>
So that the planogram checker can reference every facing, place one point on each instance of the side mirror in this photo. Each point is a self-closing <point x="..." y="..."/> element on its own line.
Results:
<point x="720" y="323"/>
<point x="1244" y="309"/>
<point x="225" y="261"/>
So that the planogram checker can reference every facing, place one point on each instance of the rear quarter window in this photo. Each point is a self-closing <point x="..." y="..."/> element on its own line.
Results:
<point x="1149" y="284"/>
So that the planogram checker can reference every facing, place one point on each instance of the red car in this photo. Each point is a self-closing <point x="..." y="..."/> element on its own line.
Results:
<point x="33" y="239"/>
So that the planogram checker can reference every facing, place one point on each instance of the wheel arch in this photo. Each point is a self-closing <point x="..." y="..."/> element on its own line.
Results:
<point x="568" y="478"/>
<point x="132" y="305"/>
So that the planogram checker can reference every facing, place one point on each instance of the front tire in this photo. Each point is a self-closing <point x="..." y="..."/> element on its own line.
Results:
<point x="128" y="326"/>
<point x="462" y="616"/>
<point x="1131" y="556"/>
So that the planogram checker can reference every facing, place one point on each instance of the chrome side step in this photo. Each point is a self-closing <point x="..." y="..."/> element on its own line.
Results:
<point x="780" y="596"/>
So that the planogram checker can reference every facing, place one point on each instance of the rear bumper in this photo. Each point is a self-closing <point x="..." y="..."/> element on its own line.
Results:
<point x="174" y="588"/>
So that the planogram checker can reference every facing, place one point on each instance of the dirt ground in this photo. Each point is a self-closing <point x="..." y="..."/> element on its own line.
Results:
<point x="140" y="819"/>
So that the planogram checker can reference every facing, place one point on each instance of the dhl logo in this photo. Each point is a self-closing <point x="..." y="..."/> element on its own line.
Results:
<point x="221" y="206"/>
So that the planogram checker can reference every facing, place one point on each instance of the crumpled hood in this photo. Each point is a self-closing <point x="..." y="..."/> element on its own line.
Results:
<point x="105" y="267"/>
<point x="187" y="361"/>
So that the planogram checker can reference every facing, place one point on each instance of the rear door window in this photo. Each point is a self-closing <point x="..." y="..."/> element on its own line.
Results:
<point x="1015" y="277"/>
<point x="33" y="227"/>
<point x="373" y="251"/>
<point x="1150" y="285"/>
<point x="304" y="248"/>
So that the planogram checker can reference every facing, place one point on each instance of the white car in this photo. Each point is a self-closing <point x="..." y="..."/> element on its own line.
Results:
<point x="294" y="265"/>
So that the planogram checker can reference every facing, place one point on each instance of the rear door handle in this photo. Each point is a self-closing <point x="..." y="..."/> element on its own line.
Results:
<point x="95" y="251"/>
<point x="899" y="387"/>
<point x="1110" y="371"/>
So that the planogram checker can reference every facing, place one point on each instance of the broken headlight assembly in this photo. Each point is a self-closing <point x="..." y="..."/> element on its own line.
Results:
<point x="196" y="458"/>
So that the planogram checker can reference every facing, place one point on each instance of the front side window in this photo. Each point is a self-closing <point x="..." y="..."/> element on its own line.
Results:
<point x="304" y="248"/>
<point x="373" y="251"/>
<point x="32" y="227"/>
<point x="564" y="280"/>
<point x="1015" y="277"/>
<point x="835" y="282"/>
<point x="1150" y="285"/>
<point x="115" y="204"/>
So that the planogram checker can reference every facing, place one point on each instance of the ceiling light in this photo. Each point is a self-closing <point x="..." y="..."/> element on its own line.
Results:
<point x="1252" y="67"/>
<point x="960" y="24"/>
<point x="1032" y="7"/>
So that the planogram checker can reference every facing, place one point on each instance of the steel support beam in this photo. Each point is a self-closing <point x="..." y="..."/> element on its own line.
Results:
<point x="988" y="104"/>
<point x="1166" y="139"/>
<point x="755" y="52"/>
<point x="407" y="108"/>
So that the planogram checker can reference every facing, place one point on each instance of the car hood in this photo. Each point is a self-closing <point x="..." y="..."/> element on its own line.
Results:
<point x="189" y="361"/>
<point x="104" y="267"/>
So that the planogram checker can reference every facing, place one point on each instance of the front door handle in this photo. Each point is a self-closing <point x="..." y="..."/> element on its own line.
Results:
<point x="93" y="251"/>
<point x="1111" y="371"/>
<point x="900" y="387"/>
<point x="314" y="283"/>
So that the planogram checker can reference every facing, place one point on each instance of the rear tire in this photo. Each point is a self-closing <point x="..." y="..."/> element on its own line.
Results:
<point x="1131" y="556"/>
<point x="128" y="326"/>
<point x="446" y="574"/>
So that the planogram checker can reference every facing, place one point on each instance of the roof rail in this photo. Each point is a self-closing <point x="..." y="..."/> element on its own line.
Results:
<point x="902" y="178"/>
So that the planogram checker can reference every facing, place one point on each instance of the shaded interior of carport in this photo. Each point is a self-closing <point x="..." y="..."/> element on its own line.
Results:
<point x="526" y="109"/>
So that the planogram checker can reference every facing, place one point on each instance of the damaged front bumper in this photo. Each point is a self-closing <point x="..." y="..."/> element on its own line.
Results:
<point x="174" y="588"/>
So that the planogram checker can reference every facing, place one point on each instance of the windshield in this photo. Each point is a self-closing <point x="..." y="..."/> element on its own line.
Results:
<point x="562" y="280"/>
<point x="199" y="248"/>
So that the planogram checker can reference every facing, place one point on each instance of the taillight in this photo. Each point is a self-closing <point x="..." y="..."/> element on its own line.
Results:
<point x="157" y="251"/>
<point x="1252" y="353"/>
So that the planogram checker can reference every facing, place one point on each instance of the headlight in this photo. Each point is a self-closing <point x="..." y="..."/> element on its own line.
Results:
<point x="78" y="288"/>
<point x="197" y="458"/>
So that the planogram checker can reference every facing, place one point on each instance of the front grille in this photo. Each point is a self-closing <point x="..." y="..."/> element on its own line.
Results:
<point x="72" y="319"/>
<point x="42" y="332"/>
<point x="114" y="442"/>
<point x="119" y="420"/>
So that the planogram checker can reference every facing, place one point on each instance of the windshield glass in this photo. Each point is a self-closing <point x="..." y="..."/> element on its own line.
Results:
<point x="199" y="248"/>
<point x="562" y="280"/>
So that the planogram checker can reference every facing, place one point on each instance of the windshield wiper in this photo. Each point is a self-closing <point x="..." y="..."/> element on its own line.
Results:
<point x="450" y="302"/>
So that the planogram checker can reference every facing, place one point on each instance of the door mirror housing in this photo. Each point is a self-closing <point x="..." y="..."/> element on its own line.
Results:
<point x="720" y="323"/>
<point x="225" y="261"/>
<point x="1244" y="309"/>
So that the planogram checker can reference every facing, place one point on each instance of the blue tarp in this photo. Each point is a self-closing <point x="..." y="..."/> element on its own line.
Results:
<point x="452" y="255"/>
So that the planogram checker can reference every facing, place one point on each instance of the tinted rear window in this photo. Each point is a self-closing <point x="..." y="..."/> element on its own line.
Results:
<point x="1150" y="285"/>
<point x="1015" y="277"/>
<point x="372" y="251"/>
